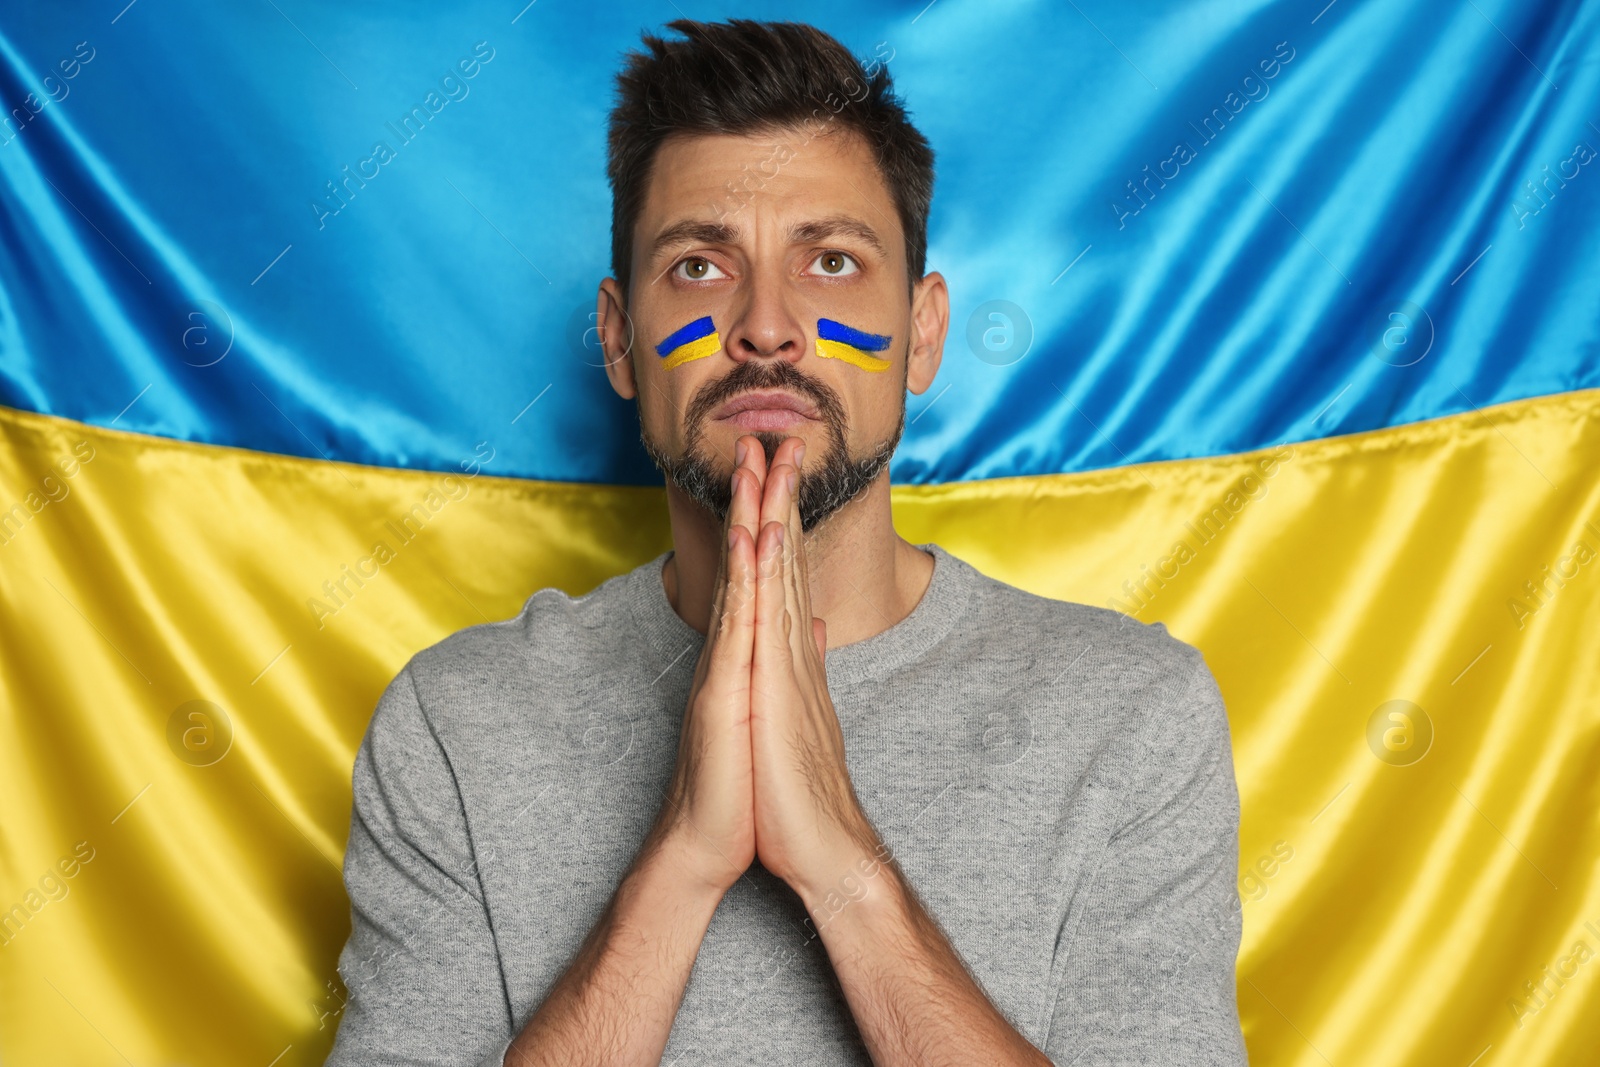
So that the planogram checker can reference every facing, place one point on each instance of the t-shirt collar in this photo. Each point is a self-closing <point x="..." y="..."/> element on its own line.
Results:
<point x="677" y="644"/>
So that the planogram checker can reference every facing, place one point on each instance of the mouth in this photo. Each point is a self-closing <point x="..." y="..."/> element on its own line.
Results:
<point x="766" y="411"/>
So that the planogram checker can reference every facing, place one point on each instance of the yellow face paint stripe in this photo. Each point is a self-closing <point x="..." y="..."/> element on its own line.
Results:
<point x="850" y="354"/>
<point x="705" y="346"/>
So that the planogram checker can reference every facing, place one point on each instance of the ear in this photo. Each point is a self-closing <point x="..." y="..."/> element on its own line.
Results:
<point x="616" y="338"/>
<point x="930" y="321"/>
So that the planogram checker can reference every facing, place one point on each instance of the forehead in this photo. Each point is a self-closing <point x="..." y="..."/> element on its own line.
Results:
<point x="779" y="174"/>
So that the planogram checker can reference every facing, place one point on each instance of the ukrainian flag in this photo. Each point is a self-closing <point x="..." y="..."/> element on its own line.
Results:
<point x="697" y="340"/>
<point x="835" y="340"/>
<point x="1284" y="335"/>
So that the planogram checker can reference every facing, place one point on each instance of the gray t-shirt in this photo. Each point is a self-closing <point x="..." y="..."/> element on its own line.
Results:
<point x="1055" y="780"/>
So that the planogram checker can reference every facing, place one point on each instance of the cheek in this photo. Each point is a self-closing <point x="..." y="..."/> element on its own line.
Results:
<point x="690" y="342"/>
<point x="665" y="396"/>
<point x="873" y="407"/>
<point x="659" y="406"/>
<point x="857" y="347"/>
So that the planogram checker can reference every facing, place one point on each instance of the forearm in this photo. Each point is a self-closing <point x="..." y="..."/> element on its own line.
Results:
<point x="616" y="1001"/>
<point x="912" y="998"/>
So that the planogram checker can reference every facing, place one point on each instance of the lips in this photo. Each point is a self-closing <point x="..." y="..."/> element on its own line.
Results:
<point x="766" y="401"/>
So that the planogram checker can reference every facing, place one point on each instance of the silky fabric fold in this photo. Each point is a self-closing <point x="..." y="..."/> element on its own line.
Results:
<point x="1392" y="909"/>
<point x="1315" y="225"/>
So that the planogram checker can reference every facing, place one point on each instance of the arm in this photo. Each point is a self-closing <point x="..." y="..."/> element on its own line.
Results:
<point x="421" y="967"/>
<point x="616" y="1002"/>
<point x="912" y="997"/>
<point x="422" y="964"/>
<point x="1149" y="975"/>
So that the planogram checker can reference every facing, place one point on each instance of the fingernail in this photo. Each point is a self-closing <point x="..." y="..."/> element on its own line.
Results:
<point x="733" y="482"/>
<point x="780" y="537"/>
<point x="799" y="454"/>
<point x="738" y="451"/>
<point x="790" y="483"/>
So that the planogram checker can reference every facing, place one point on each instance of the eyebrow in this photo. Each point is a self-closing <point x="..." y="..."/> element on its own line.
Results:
<point x="705" y="232"/>
<point x="692" y="232"/>
<point x="837" y="226"/>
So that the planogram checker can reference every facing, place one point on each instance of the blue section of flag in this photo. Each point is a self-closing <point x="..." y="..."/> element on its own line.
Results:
<point x="702" y="327"/>
<point x="1295" y="237"/>
<point x="829" y="330"/>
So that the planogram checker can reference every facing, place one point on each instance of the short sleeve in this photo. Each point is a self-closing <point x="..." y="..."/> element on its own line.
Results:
<point x="421" y="968"/>
<point x="1149" y="976"/>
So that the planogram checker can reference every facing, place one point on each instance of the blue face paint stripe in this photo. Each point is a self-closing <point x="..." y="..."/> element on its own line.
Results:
<point x="697" y="329"/>
<point x="829" y="330"/>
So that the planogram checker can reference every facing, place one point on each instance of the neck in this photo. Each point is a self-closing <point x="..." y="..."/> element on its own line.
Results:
<point x="865" y="577"/>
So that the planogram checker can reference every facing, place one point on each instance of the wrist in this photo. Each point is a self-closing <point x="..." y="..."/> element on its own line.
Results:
<point x="860" y="882"/>
<point x="669" y="864"/>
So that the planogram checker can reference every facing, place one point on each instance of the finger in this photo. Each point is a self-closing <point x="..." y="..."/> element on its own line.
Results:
<point x="803" y="571"/>
<point x="796" y="532"/>
<point x="719" y="587"/>
<point x="715" y="624"/>
<point x="743" y="510"/>
<point x="736" y="635"/>
<point x="772" y="618"/>
<point x="819" y="631"/>
<point x="779" y="505"/>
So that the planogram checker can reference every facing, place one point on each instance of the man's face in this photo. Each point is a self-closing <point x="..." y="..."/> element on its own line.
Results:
<point x="773" y="237"/>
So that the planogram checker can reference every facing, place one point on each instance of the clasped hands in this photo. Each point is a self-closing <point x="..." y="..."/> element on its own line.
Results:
<point x="761" y="765"/>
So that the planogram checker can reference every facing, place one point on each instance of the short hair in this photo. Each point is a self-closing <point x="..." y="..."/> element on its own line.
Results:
<point x="741" y="77"/>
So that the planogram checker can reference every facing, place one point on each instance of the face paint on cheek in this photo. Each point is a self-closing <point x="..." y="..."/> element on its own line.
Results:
<point x="835" y="340"/>
<point x="694" y="341"/>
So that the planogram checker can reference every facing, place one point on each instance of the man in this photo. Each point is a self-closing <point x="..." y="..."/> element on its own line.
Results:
<point x="796" y="791"/>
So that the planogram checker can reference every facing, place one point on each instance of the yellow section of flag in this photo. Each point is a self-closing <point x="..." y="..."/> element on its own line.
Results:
<point x="196" y="637"/>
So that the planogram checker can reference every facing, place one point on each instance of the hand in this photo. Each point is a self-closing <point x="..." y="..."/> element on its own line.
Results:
<point x="810" y="829"/>
<point x="707" y="815"/>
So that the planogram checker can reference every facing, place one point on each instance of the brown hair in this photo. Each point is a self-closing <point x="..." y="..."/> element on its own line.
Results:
<point x="741" y="77"/>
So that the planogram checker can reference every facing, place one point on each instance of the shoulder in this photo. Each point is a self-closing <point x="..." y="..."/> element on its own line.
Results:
<point x="1101" y="647"/>
<point x="1133" y="693"/>
<point x="1141" y="702"/>
<point x="555" y="636"/>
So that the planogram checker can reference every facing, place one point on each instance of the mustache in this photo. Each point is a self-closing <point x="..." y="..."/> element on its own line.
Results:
<point x="764" y="374"/>
<point x="831" y="481"/>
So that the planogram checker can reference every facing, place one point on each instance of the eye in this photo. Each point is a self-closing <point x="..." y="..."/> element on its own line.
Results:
<point x="835" y="264"/>
<point x="698" y="269"/>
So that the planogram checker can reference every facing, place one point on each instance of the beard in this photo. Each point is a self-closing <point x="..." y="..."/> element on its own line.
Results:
<point x="827" y="482"/>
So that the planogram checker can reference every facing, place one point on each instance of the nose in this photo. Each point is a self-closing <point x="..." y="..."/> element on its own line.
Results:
<point x="764" y="325"/>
